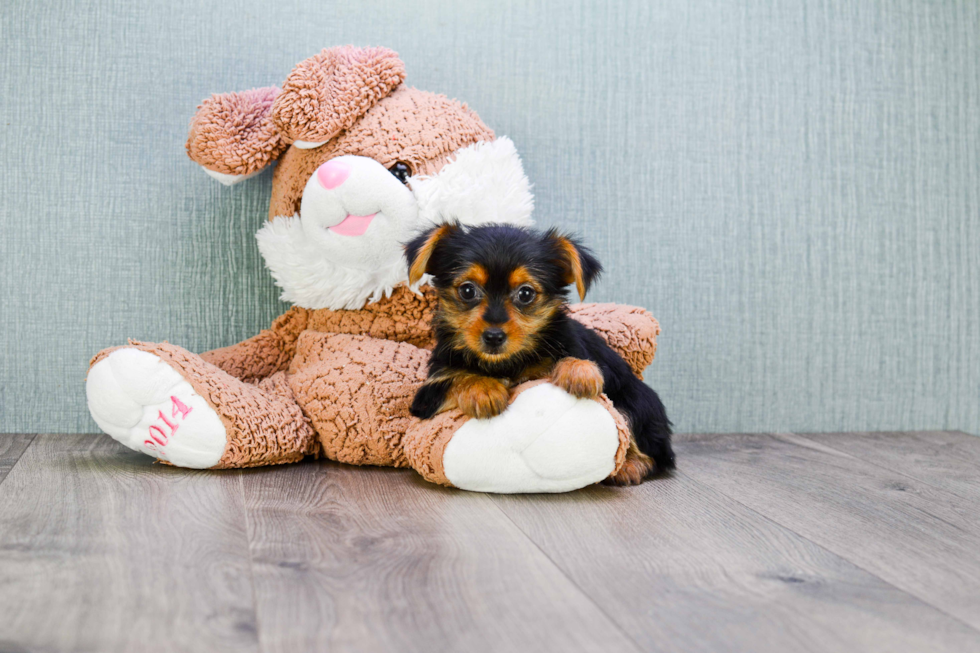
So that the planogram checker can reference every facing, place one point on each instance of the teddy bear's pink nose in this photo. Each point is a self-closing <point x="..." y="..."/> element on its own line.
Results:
<point x="332" y="174"/>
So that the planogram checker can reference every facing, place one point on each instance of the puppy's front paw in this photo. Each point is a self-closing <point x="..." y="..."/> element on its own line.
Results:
<point x="481" y="397"/>
<point x="579" y="378"/>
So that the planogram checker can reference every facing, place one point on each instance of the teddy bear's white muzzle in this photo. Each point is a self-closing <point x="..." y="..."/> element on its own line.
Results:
<point x="346" y="195"/>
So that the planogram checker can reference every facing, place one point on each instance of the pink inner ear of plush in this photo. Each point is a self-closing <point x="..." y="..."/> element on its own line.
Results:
<point x="233" y="133"/>
<point x="328" y="92"/>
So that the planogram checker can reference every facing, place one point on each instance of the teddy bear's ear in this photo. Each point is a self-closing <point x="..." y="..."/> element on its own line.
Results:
<point x="233" y="136"/>
<point x="327" y="93"/>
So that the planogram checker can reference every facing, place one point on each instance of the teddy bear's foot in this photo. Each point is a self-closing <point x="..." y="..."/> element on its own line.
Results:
<point x="546" y="441"/>
<point x="148" y="406"/>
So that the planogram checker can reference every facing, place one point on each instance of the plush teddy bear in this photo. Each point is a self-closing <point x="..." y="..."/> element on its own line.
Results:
<point x="364" y="163"/>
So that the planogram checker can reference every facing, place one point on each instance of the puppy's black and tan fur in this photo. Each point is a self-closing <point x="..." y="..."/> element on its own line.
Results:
<point x="502" y="320"/>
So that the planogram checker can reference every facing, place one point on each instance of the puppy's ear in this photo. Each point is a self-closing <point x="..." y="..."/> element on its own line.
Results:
<point x="419" y="250"/>
<point x="578" y="264"/>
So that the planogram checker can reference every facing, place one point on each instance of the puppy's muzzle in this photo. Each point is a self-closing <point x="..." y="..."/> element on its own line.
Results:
<point x="494" y="337"/>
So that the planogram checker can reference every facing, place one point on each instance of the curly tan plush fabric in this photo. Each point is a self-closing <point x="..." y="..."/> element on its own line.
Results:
<point x="234" y="134"/>
<point x="329" y="92"/>
<point x="402" y="317"/>
<point x="424" y="444"/>
<point x="356" y="391"/>
<point x="630" y="330"/>
<point x="264" y="354"/>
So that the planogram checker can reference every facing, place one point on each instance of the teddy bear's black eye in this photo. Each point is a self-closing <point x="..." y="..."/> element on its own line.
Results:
<point x="467" y="292"/>
<point x="402" y="171"/>
<point x="525" y="295"/>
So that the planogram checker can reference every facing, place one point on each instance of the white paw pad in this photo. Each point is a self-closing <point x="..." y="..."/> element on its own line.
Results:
<point x="546" y="441"/>
<point x="148" y="406"/>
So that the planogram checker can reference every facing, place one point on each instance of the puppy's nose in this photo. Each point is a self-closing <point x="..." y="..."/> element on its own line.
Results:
<point x="494" y="337"/>
<point x="332" y="174"/>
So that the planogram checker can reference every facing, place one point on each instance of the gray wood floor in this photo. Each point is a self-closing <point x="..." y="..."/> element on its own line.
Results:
<point x="836" y="542"/>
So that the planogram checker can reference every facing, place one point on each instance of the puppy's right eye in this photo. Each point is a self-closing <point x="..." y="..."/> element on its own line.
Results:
<point x="525" y="295"/>
<point x="467" y="292"/>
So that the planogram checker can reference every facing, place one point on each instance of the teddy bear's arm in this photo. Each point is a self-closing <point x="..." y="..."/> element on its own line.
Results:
<point x="630" y="330"/>
<point x="406" y="317"/>
<point x="264" y="354"/>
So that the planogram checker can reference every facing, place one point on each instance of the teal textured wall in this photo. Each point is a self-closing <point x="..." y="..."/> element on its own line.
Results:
<point x="793" y="188"/>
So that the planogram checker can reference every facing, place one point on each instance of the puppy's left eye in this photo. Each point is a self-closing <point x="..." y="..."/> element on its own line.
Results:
<point x="526" y="295"/>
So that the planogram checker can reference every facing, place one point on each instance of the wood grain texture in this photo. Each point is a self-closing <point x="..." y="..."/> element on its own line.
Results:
<point x="102" y="550"/>
<point x="370" y="559"/>
<point x="949" y="460"/>
<point x="12" y="445"/>
<point x="921" y="539"/>
<point x="759" y="543"/>
<point x="683" y="568"/>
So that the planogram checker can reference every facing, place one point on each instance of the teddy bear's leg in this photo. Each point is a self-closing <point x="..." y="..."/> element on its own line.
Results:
<point x="546" y="441"/>
<point x="171" y="404"/>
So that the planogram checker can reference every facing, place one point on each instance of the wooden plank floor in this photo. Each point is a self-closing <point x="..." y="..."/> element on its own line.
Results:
<point x="818" y="542"/>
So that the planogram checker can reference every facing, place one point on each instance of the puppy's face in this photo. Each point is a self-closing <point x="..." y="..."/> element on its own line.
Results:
<point x="496" y="311"/>
<point x="499" y="286"/>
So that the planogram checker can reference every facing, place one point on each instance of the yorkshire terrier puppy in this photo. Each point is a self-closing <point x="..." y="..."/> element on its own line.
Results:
<point x="502" y="320"/>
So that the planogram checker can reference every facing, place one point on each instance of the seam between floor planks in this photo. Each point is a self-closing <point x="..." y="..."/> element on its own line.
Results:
<point x="4" y="469"/>
<point x="251" y="562"/>
<point x="831" y="552"/>
<point x="771" y="487"/>
<point x="103" y="550"/>
<point x="346" y="552"/>
<point x="820" y="439"/>
<point x="544" y="549"/>
<point x="612" y="619"/>
<point x="869" y="461"/>
<point x="633" y="602"/>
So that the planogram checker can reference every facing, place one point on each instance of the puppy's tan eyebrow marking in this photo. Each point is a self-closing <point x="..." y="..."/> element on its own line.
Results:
<point x="475" y="273"/>
<point x="521" y="276"/>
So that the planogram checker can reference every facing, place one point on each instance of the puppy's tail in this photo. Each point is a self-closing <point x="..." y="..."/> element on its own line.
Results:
<point x="652" y="436"/>
<point x="650" y="452"/>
